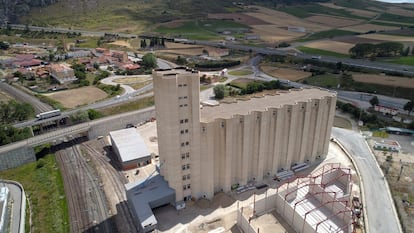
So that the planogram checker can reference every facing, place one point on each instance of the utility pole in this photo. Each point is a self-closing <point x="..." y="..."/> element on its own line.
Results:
<point x="401" y="170"/>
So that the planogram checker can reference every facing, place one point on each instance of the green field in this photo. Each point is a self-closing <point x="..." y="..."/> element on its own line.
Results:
<point x="397" y="18"/>
<point x="240" y="72"/>
<point x="325" y="80"/>
<point x="321" y="52"/>
<point x="402" y="60"/>
<point x="202" y="29"/>
<point x="44" y="187"/>
<point x="327" y="34"/>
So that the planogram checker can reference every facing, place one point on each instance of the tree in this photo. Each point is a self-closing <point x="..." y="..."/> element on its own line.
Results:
<point x="406" y="51"/>
<point x="180" y="60"/>
<point x="143" y="44"/>
<point x="409" y="106"/>
<point x="149" y="61"/>
<point x="93" y="114"/>
<point x="219" y="91"/>
<point x="374" y="101"/>
<point x="4" y="45"/>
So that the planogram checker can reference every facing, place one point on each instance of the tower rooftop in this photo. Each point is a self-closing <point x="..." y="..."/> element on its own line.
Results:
<point x="244" y="107"/>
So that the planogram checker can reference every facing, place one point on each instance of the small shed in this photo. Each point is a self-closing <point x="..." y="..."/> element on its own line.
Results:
<point x="130" y="148"/>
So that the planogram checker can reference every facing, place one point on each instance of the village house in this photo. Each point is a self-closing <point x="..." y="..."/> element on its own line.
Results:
<point x="62" y="73"/>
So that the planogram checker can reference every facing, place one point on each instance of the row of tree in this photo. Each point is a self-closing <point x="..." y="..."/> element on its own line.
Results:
<point x="154" y="42"/>
<point x="252" y="87"/>
<point x="386" y="49"/>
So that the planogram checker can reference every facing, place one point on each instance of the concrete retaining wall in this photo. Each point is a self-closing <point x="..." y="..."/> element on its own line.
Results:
<point x="17" y="157"/>
<point x="103" y="128"/>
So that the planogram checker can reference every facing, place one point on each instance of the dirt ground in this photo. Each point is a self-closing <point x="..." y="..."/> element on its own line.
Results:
<point x="4" y="97"/>
<point x="172" y="45"/>
<point x="332" y="21"/>
<point x="368" y="27"/>
<point x="78" y="97"/>
<point x="387" y="37"/>
<point x="188" y="52"/>
<point x="401" y="186"/>
<point x="357" y="12"/>
<point x="356" y="40"/>
<point x="130" y="80"/>
<point x="274" y="33"/>
<point x="238" y="17"/>
<point x="122" y="43"/>
<point x="283" y="19"/>
<point x="384" y="80"/>
<point x="329" y="45"/>
<point x="285" y="73"/>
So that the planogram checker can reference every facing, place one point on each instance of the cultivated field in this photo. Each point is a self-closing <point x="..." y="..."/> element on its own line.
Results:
<point x="334" y="46"/>
<point x="356" y="40"/>
<point x="331" y="21"/>
<point x="357" y="12"/>
<point x="285" y="73"/>
<point x="274" y="33"/>
<point x="369" y="27"/>
<point x="78" y="97"/>
<point x="387" y="37"/>
<point x="238" y="17"/>
<point x="384" y="80"/>
<point x="400" y="11"/>
<point x="283" y="19"/>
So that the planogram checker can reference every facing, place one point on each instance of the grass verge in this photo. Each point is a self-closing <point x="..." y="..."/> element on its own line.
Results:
<point x="240" y="72"/>
<point x="325" y="80"/>
<point x="321" y="52"/>
<point x="342" y="122"/>
<point x="131" y="106"/>
<point x="43" y="184"/>
<point x="327" y="34"/>
<point x="402" y="60"/>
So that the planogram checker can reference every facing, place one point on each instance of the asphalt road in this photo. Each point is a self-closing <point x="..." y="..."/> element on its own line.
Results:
<point x="16" y="195"/>
<point x="381" y="215"/>
<point x="381" y="66"/>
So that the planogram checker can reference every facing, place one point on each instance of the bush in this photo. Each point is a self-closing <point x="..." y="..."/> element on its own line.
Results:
<point x="219" y="91"/>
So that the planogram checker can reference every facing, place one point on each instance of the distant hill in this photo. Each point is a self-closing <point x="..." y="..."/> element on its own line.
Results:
<point x="37" y="11"/>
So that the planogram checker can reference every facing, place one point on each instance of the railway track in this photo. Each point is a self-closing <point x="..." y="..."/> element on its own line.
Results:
<point x="22" y="96"/>
<point x="87" y="202"/>
<point x="115" y="188"/>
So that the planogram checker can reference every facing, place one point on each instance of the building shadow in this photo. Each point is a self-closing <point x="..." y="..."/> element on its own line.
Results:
<point x="106" y="226"/>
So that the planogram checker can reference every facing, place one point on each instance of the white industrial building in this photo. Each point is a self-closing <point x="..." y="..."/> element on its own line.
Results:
<point x="130" y="148"/>
<point x="387" y="145"/>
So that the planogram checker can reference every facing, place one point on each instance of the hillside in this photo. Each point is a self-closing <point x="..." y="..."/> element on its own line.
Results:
<point x="101" y="13"/>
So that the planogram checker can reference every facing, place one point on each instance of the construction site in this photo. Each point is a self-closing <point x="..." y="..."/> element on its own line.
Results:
<point x="322" y="197"/>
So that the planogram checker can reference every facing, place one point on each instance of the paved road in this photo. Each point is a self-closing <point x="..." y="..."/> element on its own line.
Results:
<point x="16" y="195"/>
<point x="382" y="217"/>
<point x="381" y="66"/>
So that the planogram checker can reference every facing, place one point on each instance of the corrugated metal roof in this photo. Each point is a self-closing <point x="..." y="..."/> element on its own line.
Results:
<point x="130" y="144"/>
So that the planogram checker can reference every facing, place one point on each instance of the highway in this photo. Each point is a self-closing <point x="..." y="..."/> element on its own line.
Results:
<point x="381" y="215"/>
<point x="381" y="66"/>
